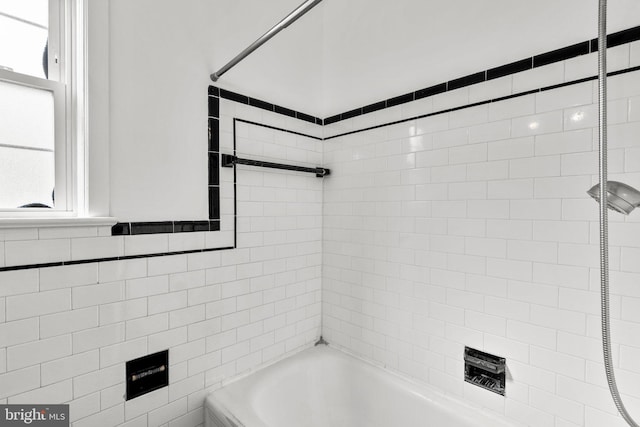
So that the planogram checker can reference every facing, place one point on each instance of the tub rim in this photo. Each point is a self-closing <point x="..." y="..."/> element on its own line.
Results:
<point x="426" y="392"/>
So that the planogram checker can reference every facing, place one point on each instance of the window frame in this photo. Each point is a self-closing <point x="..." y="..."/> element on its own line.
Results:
<point x="66" y="83"/>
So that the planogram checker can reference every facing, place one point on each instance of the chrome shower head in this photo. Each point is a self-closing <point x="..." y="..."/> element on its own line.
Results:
<point x="620" y="197"/>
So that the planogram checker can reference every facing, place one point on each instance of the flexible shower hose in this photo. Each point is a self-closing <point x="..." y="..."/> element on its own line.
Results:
<point x="604" y="237"/>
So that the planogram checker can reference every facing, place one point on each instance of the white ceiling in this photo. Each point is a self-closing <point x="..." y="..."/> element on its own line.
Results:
<point x="346" y="54"/>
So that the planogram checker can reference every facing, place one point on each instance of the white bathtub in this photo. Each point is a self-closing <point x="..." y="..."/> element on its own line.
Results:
<point x="323" y="387"/>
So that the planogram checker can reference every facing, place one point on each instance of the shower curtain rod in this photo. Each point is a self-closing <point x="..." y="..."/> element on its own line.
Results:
<point x="290" y="19"/>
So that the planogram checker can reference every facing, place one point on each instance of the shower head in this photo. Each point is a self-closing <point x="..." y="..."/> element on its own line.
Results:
<point x="620" y="197"/>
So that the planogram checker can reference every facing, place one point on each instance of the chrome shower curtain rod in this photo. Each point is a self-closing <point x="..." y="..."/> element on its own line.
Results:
<point x="290" y="19"/>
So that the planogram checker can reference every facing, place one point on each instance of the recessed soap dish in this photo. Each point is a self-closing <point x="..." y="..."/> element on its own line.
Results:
<point x="485" y="370"/>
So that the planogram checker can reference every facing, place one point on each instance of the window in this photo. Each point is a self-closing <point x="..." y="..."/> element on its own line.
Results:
<point x="37" y="104"/>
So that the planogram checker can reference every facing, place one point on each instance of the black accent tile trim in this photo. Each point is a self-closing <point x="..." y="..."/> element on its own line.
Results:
<point x="284" y="111"/>
<point x="350" y="114"/>
<point x="247" y="100"/>
<point x="213" y="175"/>
<point x="151" y="227"/>
<point x="402" y="99"/>
<point x="469" y="80"/>
<point x="214" y="91"/>
<point x="430" y="91"/>
<point x="214" y="106"/>
<point x="624" y="36"/>
<point x="305" y="117"/>
<point x="561" y="54"/>
<point x="512" y="68"/>
<point x="126" y="228"/>
<point x="332" y="119"/>
<point x="190" y="226"/>
<point x="261" y="104"/>
<point x="214" y="134"/>
<point x="214" y="169"/>
<point x="214" y="203"/>
<point x="619" y="38"/>
<point x="374" y="107"/>
<point x="232" y="96"/>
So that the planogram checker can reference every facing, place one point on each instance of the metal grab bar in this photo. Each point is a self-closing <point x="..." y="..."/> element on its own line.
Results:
<point x="229" y="160"/>
<point x="290" y="19"/>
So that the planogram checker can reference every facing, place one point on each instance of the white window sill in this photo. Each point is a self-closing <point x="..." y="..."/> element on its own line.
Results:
<point x="57" y="222"/>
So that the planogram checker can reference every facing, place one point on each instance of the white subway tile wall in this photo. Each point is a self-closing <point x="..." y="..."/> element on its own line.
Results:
<point x="464" y="228"/>
<point x="489" y="240"/>
<point x="66" y="332"/>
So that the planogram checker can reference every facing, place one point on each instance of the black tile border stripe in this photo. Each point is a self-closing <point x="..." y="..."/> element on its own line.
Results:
<point x="489" y="101"/>
<point x="163" y="227"/>
<point x="247" y="100"/>
<point x="109" y="259"/>
<point x="213" y="155"/>
<point x="562" y="54"/>
<point x="511" y="68"/>
<point x="469" y="80"/>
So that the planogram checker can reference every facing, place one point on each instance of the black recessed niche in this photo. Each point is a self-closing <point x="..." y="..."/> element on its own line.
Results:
<point x="147" y="373"/>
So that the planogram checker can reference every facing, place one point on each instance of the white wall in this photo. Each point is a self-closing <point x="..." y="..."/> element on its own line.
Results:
<point x="474" y="228"/>
<point x="66" y="332"/>
<point x="161" y="55"/>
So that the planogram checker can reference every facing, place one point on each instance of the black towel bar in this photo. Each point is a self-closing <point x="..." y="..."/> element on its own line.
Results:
<point x="228" y="160"/>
